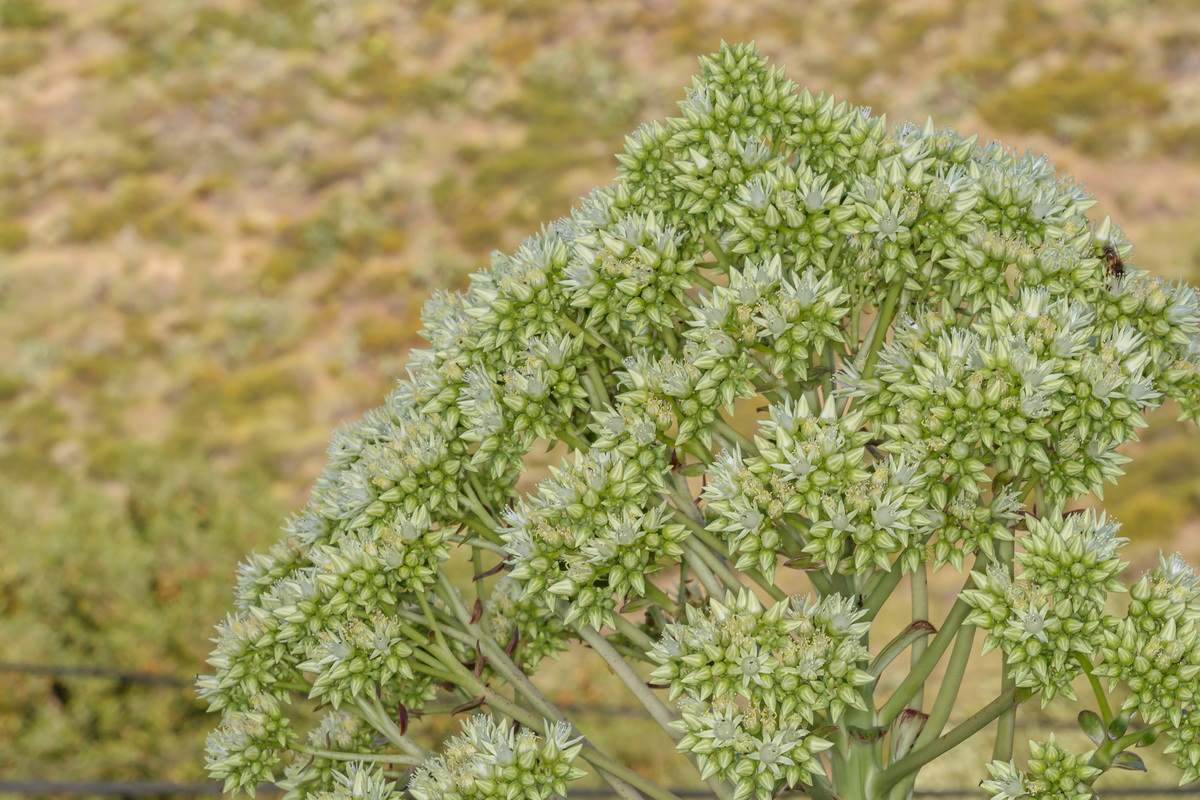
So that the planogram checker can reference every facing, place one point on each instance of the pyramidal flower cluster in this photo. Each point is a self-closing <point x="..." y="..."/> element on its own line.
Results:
<point x="790" y="345"/>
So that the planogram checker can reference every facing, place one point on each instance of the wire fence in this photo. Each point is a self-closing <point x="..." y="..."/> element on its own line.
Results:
<point x="147" y="788"/>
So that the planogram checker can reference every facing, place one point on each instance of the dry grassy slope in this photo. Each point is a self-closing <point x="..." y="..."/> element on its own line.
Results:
<point x="218" y="220"/>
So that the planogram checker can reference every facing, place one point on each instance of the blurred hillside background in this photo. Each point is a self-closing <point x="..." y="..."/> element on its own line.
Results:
<point x="219" y="219"/>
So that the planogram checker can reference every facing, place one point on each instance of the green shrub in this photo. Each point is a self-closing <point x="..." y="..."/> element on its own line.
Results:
<point x="18" y="53"/>
<point x="13" y="236"/>
<point x="142" y="204"/>
<point x="26" y="14"/>
<point x="1179" y="140"/>
<point x="119" y="572"/>
<point x="1094" y="109"/>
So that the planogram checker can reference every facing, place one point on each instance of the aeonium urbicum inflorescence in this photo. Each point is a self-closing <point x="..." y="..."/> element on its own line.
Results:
<point x="798" y="358"/>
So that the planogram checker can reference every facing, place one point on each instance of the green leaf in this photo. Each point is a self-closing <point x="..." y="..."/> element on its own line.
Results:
<point x="805" y="562"/>
<point x="1147" y="738"/>
<point x="1128" y="760"/>
<point x="1092" y="726"/>
<point x="825" y="731"/>
<point x="693" y="470"/>
<point x="1117" y="728"/>
<point x="897" y="645"/>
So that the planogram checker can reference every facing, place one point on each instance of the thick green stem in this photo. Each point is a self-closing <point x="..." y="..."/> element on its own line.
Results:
<point x="633" y="682"/>
<point x="709" y="542"/>
<point x="920" y="611"/>
<point x="1101" y="696"/>
<point x="615" y="774"/>
<point x="593" y="382"/>
<point x="882" y="590"/>
<point x="709" y="581"/>
<point x="835" y="253"/>
<point x="471" y="498"/>
<point x="718" y="252"/>
<point x="922" y="755"/>
<point x="1006" y="728"/>
<point x="641" y="692"/>
<point x="830" y="365"/>
<point x="434" y="672"/>
<point x="920" y="671"/>
<point x="486" y="533"/>
<point x="479" y="544"/>
<point x="591" y="338"/>
<point x="480" y="586"/>
<point x="732" y="436"/>
<point x="575" y="440"/>
<point x="702" y="555"/>
<point x="506" y="668"/>
<point x="337" y="755"/>
<point x="882" y="323"/>
<point x="693" y="448"/>
<point x="419" y="619"/>
<point x="594" y="757"/>
<point x="433" y="626"/>
<point x="943" y="704"/>
<point x="1103" y="757"/>
<point x="373" y="712"/>
<point x="632" y="632"/>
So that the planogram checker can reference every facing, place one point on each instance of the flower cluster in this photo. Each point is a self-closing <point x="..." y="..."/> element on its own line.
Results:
<point x="788" y="209"/>
<point x="1075" y="559"/>
<point x="1055" y="609"/>
<point x="795" y="657"/>
<point x="749" y="744"/>
<point x="1185" y="745"/>
<point x="248" y="743"/>
<point x="689" y="388"/>
<point x="358" y="781"/>
<point x="1052" y="774"/>
<point x="790" y="317"/>
<point x="592" y="534"/>
<point x="939" y="334"/>
<point x="338" y="731"/>
<point x="689" y="169"/>
<point x="965" y="523"/>
<point x="805" y="458"/>
<point x="490" y="759"/>
<point x="1166" y="314"/>
<point x="1034" y="387"/>
<point x="523" y="622"/>
<point x="754" y="681"/>
<point x="1155" y="649"/>
<point x="628" y="274"/>
<point x="360" y="653"/>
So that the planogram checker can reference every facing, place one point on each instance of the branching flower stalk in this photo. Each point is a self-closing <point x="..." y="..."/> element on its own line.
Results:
<point x="944" y="352"/>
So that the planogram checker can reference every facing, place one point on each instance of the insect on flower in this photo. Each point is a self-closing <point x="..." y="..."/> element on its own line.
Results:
<point x="1116" y="267"/>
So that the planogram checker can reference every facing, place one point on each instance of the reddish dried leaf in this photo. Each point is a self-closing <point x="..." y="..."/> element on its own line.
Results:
<point x="470" y="705"/>
<point x="488" y="573"/>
